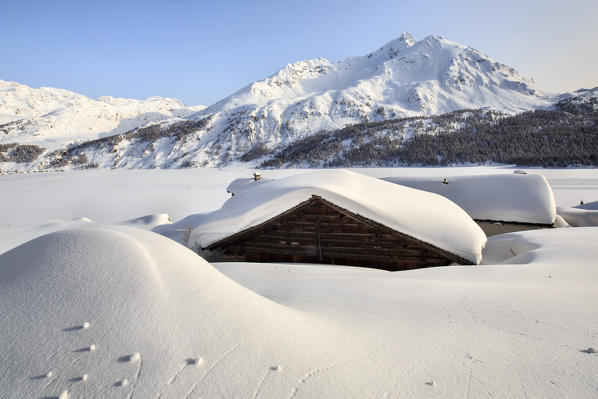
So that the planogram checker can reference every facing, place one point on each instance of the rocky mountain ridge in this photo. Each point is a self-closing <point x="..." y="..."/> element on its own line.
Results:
<point x="405" y="78"/>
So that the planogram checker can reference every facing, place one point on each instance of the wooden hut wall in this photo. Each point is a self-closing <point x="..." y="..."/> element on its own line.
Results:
<point x="319" y="232"/>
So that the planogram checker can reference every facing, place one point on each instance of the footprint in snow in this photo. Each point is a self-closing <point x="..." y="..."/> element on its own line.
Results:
<point x="63" y="395"/>
<point x="189" y="362"/>
<point x="122" y="383"/>
<point x="83" y="326"/>
<point x="90" y="348"/>
<point x="82" y="378"/>
<point x="194" y="361"/>
<point x="135" y="357"/>
<point x="46" y="376"/>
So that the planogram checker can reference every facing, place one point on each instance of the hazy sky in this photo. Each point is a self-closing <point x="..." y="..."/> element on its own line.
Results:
<point x="201" y="52"/>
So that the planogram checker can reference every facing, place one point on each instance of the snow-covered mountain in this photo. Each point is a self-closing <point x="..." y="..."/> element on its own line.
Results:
<point x="579" y="100"/>
<point x="403" y="78"/>
<point x="53" y="118"/>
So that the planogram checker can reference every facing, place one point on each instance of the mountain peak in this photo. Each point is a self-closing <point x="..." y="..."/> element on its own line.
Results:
<point x="392" y="49"/>
<point x="403" y="78"/>
<point x="404" y="41"/>
<point x="407" y="38"/>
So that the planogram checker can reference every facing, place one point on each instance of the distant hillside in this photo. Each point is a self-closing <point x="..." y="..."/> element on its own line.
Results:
<point x="534" y="138"/>
<point x="54" y="118"/>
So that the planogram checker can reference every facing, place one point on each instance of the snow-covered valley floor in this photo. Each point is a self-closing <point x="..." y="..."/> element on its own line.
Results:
<point x="94" y="307"/>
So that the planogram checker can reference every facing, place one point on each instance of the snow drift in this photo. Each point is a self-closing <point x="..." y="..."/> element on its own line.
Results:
<point x="114" y="312"/>
<point x="117" y="312"/>
<point x="579" y="217"/>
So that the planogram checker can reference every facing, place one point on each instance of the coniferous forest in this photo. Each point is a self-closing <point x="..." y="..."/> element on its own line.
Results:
<point x="566" y="135"/>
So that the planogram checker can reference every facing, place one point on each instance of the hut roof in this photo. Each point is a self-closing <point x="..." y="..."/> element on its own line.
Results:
<point x="425" y="216"/>
<point x="241" y="184"/>
<point x="513" y="197"/>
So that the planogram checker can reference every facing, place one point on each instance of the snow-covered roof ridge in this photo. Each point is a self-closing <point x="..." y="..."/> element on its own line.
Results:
<point x="425" y="216"/>
<point x="512" y="197"/>
<point x="242" y="184"/>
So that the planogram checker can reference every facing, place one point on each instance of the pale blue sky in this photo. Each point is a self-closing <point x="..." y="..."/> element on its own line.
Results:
<point x="201" y="52"/>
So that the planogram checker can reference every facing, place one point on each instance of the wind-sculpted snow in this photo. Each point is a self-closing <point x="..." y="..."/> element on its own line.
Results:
<point x="118" y="312"/>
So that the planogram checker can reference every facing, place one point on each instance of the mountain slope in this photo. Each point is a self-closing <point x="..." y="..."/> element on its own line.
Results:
<point x="404" y="78"/>
<point x="53" y="118"/>
<point x="582" y="100"/>
<point x="401" y="79"/>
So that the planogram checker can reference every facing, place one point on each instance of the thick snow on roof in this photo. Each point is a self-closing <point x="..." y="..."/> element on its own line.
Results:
<point x="425" y="216"/>
<point x="242" y="183"/>
<point x="523" y="198"/>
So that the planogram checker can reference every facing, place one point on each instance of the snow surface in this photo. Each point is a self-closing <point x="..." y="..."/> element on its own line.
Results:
<point x="428" y="217"/>
<point x="590" y="206"/>
<point x="243" y="183"/>
<point x="491" y="197"/>
<point x="579" y="217"/>
<point x="154" y="307"/>
<point x="42" y="202"/>
<point x="523" y="327"/>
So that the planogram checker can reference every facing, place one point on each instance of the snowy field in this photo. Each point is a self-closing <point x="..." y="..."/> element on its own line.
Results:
<point x="94" y="305"/>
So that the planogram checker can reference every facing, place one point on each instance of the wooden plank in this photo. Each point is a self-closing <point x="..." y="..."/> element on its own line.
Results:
<point x="376" y="251"/>
<point x="387" y="229"/>
<point x="300" y="250"/>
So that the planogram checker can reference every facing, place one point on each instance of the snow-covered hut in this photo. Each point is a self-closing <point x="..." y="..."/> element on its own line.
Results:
<point x="340" y="217"/>
<point x="499" y="203"/>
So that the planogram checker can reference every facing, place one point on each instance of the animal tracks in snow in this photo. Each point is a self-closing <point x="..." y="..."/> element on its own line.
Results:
<point x="270" y="370"/>
<point x="135" y="358"/>
<point x="317" y="371"/>
<point x="189" y="362"/>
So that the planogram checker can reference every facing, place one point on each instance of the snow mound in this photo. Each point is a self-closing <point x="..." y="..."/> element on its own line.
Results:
<point x="491" y="197"/>
<point x="148" y="222"/>
<point x="18" y="235"/>
<point x="150" y="305"/>
<point x="579" y="217"/>
<point x="562" y="253"/>
<point x="425" y="216"/>
<point x="592" y="206"/>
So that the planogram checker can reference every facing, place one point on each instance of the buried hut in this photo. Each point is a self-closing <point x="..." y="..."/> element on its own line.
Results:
<point x="340" y="217"/>
<point x="499" y="203"/>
